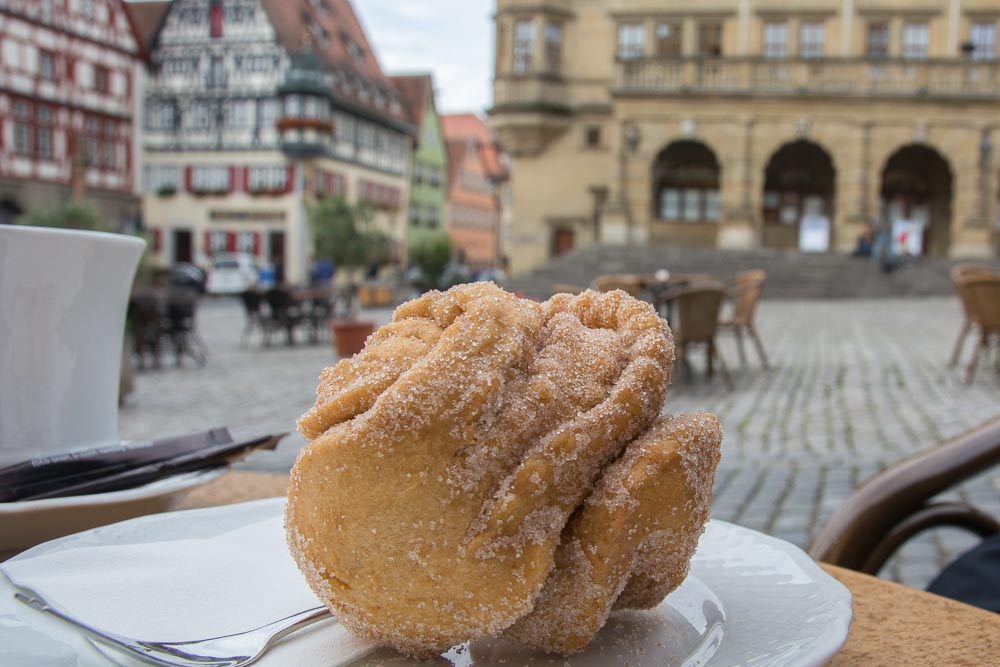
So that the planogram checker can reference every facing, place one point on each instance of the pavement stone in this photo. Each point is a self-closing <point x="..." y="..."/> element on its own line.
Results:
<point x="856" y="385"/>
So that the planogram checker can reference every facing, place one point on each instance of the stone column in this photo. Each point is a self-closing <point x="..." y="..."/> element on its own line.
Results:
<point x="737" y="193"/>
<point x="974" y="195"/>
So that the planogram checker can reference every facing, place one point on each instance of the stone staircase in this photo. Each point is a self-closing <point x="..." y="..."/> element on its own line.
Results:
<point x="790" y="275"/>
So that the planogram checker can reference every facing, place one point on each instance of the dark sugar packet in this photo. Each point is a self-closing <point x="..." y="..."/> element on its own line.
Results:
<point x="123" y="466"/>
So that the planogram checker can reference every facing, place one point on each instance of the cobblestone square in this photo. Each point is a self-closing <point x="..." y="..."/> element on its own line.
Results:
<point x="855" y="386"/>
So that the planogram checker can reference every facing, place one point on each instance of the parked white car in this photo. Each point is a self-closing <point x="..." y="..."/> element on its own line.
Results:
<point x="231" y="273"/>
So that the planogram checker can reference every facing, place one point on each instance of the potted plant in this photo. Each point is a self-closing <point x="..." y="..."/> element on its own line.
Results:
<point x="342" y="234"/>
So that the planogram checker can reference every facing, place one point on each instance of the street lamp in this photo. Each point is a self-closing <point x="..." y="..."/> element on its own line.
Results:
<point x="630" y="145"/>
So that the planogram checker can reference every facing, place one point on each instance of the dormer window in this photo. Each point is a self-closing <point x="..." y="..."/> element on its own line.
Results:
<point x="215" y="19"/>
<point x="353" y="49"/>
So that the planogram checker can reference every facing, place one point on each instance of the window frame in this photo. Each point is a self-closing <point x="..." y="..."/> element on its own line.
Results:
<point x="710" y="39"/>
<point x="631" y="41"/>
<point x="524" y="47"/>
<point x="812" y="39"/>
<point x="914" y="49"/>
<point x="976" y="30"/>
<point x="671" y="45"/>
<point x="877" y="49"/>
<point x="773" y="48"/>
<point x="44" y="55"/>
<point x="553" y="48"/>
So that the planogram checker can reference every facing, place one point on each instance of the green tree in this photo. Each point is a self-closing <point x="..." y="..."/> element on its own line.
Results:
<point x="73" y="215"/>
<point x="342" y="233"/>
<point x="431" y="251"/>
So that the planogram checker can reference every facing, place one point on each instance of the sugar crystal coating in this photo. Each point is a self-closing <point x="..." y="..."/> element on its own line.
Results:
<point x="434" y="504"/>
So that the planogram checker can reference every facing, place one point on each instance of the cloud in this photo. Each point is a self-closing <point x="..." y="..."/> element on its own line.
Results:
<point x="451" y="38"/>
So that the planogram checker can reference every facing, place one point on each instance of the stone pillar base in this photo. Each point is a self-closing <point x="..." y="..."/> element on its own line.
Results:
<point x="737" y="237"/>
<point x="614" y="227"/>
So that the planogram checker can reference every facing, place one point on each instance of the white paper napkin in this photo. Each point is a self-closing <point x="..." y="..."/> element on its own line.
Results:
<point x="177" y="576"/>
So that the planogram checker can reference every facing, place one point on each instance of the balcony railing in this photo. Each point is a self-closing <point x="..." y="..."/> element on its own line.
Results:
<point x="834" y="76"/>
<point x="531" y="93"/>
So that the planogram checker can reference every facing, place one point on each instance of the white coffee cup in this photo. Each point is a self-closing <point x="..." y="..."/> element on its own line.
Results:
<point x="63" y="298"/>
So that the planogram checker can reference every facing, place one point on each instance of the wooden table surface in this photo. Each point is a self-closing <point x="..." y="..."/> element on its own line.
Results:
<point x="893" y="624"/>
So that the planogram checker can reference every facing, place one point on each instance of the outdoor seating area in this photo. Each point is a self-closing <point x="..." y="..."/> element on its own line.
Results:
<point x="164" y="321"/>
<point x="978" y="290"/>
<point x="698" y="306"/>
<point x="279" y="313"/>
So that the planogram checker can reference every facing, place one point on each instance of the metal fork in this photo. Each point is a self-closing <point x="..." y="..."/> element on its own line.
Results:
<point x="236" y="650"/>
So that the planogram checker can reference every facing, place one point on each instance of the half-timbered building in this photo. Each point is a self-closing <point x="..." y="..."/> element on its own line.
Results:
<point x="253" y="108"/>
<point x="68" y="102"/>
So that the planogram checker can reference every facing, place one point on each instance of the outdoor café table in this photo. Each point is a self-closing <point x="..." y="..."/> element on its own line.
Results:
<point x="893" y="624"/>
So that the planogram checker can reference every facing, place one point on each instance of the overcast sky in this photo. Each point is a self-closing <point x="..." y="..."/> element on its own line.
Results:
<point x="451" y="38"/>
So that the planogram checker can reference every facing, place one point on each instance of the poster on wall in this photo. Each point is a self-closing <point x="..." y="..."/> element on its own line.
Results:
<point x="908" y="237"/>
<point x="814" y="233"/>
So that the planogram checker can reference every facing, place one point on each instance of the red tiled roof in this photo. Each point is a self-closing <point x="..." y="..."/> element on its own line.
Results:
<point x="146" y="18"/>
<point x="333" y="31"/>
<point x="416" y="90"/>
<point x="471" y="126"/>
<point x="337" y="36"/>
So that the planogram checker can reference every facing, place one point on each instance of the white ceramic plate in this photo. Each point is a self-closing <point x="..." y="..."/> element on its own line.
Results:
<point x="25" y="524"/>
<point x="749" y="600"/>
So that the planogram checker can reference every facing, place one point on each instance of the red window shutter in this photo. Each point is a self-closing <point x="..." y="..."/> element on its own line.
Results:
<point x="231" y="242"/>
<point x="208" y="244"/>
<point x="188" y="176"/>
<point x="234" y="180"/>
<point x="157" y="240"/>
<point x="256" y="244"/>
<point x="290" y="183"/>
<point x="215" y="19"/>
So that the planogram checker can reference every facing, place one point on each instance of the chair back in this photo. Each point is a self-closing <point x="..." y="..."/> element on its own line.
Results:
<point x="896" y="504"/>
<point x="251" y="302"/>
<point x="749" y="289"/>
<point x="698" y="312"/>
<point x="628" y="283"/>
<point x="982" y="296"/>
<point x="279" y="302"/>
<point x="961" y="274"/>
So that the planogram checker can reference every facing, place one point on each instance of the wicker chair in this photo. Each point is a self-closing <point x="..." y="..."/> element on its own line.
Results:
<point x="960" y="275"/>
<point x="748" y="289"/>
<point x="895" y="505"/>
<point x="628" y="283"/>
<point x="982" y="296"/>
<point x="698" y="321"/>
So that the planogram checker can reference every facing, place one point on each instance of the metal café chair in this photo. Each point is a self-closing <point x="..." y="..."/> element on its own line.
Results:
<point x="746" y="293"/>
<point x="960" y="276"/>
<point x="983" y="296"/>
<point x="697" y="324"/>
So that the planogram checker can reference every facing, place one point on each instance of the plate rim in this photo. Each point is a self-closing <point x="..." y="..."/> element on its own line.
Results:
<point x="820" y="647"/>
<point x="172" y="484"/>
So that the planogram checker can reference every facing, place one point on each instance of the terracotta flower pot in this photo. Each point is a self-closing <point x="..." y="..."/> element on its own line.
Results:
<point x="349" y="336"/>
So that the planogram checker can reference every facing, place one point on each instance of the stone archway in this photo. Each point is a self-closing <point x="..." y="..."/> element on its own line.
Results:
<point x="917" y="187"/>
<point x="685" y="180"/>
<point x="799" y="183"/>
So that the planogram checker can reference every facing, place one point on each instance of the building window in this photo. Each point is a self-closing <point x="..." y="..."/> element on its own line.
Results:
<point x="210" y="179"/>
<point x="776" y="39"/>
<point x="236" y="115"/>
<point x="269" y="110"/>
<point x="110" y="146"/>
<point x="215" y="19"/>
<point x="524" y="47"/>
<point x="592" y="137"/>
<point x="217" y="73"/>
<point x="668" y="39"/>
<point x="915" y="41"/>
<point x="553" y="47"/>
<point x="22" y="129"/>
<point x="44" y="133"/>
<point x="102" y="79"/>
<point x="710" y="39"/>
<point x="160" y="115"/>
<point x="91" y="143"/>
<point x="267" y="178"/>
<point x="878" y="41"/>
<point x="631" y="41"/>
<point x="984" y="41"/>
<point x="46" y="65"/>
<point x="199" y="117"/>
<point x="161" y="179"/>
<point x="670" y="204"/>
<point x="812" y="39"/>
